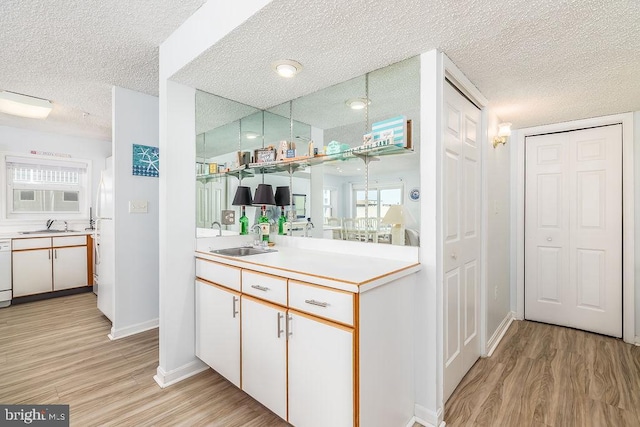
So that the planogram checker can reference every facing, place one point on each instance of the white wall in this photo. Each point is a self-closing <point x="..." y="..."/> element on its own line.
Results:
<point x="135" y="121"/>
<point x="498" y="170"/>
<point x="19" y="140"/>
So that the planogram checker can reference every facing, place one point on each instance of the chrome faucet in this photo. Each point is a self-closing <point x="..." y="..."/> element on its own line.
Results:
<point x="219" y="227"/>
<point x="49" y="223"/>
<point x="308" y="226"/>
<point x="66" y="226"/>
<point x="258" y="230"/>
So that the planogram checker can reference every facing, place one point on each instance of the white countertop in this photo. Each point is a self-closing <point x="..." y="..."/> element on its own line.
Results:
<point x="18" y="235"/>
<point x="354" y="273"/>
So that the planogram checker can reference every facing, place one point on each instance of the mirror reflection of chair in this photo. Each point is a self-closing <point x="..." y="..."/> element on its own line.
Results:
<point x="349" y="230"/>
<point x="335" y="225"/>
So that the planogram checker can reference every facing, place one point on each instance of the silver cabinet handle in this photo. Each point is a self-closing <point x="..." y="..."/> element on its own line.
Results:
<point x="318" y="303"/>
<point x="260" y="288"/>
<point x="55" y="253"/>
<point x="235" y="309"/>
<point x="288" y="325"/>
<point x="49" y="254"/>
<point x="280" y="331"/>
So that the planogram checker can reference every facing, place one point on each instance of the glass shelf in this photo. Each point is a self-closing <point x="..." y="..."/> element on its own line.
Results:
<point x="291" y="165"/>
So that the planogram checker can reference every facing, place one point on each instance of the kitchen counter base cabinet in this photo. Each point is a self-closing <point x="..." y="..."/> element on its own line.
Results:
<point x="70" y="267"/>
<point x="315" y="355"/>
<point x="218" y="329"/>
<point x="321" y="373"/>
<point x="264" y="354"/>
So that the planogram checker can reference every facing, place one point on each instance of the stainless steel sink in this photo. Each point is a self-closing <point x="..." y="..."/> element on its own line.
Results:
<point x="242" y="251"/>
<point x="49" y="231"/>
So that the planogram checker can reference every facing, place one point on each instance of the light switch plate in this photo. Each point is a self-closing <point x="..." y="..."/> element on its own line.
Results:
<point x="228" y="217"/>
<point x="138" y="206"/>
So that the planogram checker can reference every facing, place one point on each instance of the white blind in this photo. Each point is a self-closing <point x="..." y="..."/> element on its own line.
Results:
<point x="44" y="171"/>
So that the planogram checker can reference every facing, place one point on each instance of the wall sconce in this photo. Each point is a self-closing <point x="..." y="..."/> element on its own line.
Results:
<point x="504" y="131"/>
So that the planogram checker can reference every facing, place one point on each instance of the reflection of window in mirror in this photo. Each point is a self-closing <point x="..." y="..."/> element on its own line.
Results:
<point x="299" y="204"/>
<point x="329" y="202"/>
<point x="381" y="196"/>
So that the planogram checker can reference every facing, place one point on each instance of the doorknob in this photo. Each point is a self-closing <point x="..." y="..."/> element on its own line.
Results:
<point x="549" y="239"/>
<point x="454" y="255"/>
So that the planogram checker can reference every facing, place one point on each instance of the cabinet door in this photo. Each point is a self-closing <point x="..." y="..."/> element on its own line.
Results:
<point x="31" y="272"/>
<point x="218" y="329"/>
<point x="69" y="267"/>
<point x="264" y="354"/>
<point x="321" y="373"/>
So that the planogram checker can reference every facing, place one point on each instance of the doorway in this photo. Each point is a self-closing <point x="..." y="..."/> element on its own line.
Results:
<point x="573" y="229"/>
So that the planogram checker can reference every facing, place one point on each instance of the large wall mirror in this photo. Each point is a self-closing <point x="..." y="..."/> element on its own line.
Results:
<point x="373" y="201"/>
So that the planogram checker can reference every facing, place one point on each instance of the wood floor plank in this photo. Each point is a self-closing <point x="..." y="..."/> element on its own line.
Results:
<point x="57" y="351"/>
<point x="545" y="375"/>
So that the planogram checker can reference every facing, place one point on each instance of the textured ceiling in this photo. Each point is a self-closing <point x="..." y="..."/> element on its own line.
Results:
<point x="537" y="61"/>
<point x="73" y="52"/>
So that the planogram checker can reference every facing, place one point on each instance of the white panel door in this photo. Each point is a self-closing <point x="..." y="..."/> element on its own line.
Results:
<point x="461" y="243"/>
<point x="69" y="267"/>
<point x="573" y="229"/>
<point x="264" y="354"/>
<point x="218" y="329"/>
<point x="321" y="391"/>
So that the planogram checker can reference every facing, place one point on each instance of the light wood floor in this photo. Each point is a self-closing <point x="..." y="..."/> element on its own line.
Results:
<point x="57" y="352"/>
<point x="543" y="375"/>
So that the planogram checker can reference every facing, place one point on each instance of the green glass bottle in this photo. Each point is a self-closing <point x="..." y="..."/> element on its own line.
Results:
<point x="244" y="224"/>
<point x="281" y="223"/>
<point x="264" y="224"/>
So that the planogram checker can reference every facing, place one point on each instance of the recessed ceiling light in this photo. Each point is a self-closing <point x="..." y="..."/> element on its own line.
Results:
<point x="251" y="135"/>
<point x="286" y="68"/>
<point x="357" y="103"/>
<point x="24" y="106"/>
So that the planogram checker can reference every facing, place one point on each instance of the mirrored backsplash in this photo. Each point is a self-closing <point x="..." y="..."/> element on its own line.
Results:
<point x="364" y="197"/>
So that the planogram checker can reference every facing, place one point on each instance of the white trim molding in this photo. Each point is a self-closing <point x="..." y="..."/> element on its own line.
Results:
<point x="165" y="379"/>
<point x="427" y="417"/>
<point x="497" y="336"/>
<point x="628" y="209"/>
<point x="117" y="334"/>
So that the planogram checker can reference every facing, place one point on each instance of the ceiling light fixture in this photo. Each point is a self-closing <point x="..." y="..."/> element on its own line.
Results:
<point x="251" y="135"/>
<point x="24" y="106"/>
<point x="286" y="68"/>
<point x="357" y="103"/>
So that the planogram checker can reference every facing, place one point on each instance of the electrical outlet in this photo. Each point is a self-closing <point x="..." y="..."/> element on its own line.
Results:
<point x="228" y="217"/>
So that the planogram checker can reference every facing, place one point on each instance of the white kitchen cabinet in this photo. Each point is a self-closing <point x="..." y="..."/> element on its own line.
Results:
<point x="69" y="267"/>
<point x="264" y="354"/>
<point x="32" y="272"/>
<point x="218" y="329"/>
<point x="321" y="373"/>
<point x="46" y="264"/>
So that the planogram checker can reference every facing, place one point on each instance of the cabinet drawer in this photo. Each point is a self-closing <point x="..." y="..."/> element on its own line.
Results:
<point x="69" y="241"/>
<point x="265" y="286"/>
<point x="218" y="273"/>
<point x="322" y="302"/>
<point x="36" y="243"/>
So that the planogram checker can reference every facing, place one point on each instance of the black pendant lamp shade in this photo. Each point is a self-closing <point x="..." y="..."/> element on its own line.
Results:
<point x="242" y="197"/>
<point x="283" y="196"/>
<point x="264" y="195"/>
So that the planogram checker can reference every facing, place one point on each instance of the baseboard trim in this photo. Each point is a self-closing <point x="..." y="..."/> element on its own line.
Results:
<point x="638" y="341"/>
<point x="427" y="417"/>
<point x="165" y="379"/>
<point x="117" y="334"/>
<point x="497" y="336"/>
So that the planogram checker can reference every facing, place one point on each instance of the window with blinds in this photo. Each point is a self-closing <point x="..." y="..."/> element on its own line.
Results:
<point x="45" y="186"/>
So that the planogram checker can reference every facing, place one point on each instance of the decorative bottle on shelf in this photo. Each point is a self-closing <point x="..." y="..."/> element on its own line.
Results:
<point x="244" y="223"/>
<point x="282" y="221"/>
<point x="264" y="224"/>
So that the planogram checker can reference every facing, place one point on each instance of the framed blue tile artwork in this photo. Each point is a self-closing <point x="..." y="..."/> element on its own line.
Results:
<point x="146" y="160"/>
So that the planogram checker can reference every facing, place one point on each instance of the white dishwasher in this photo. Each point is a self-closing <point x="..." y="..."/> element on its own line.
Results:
<point x="5" y="272"/>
